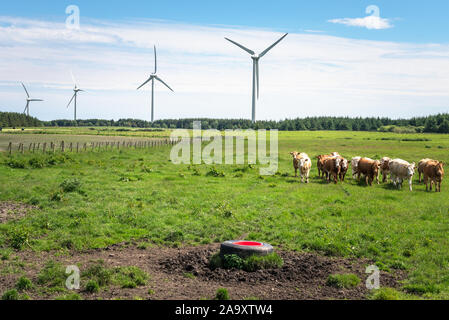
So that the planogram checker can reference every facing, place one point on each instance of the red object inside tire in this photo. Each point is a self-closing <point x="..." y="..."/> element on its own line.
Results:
<point x="249" y="243"/>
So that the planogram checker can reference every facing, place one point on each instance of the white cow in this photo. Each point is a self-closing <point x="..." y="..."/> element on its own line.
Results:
<point x="354" y="165"/>
<point x="305" y="165"/>
<point x="401" y="170"/>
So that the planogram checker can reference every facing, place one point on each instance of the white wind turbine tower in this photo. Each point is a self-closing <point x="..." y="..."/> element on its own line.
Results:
<point x="256" y="58"/>
<point x="75" y="95"/>
<point x="153" y="77"/>
<point x="27" y="107"/>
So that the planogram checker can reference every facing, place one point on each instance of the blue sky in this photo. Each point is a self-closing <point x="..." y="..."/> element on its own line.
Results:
<point x="337" y="59"/>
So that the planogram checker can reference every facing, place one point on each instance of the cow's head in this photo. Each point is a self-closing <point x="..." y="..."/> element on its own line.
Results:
<point x="337" y="163"/>
<point x="294" y="154"/>
<point x="303" y="162"/>
<point x="411" y="169"/>
<point x="344" y="164"/>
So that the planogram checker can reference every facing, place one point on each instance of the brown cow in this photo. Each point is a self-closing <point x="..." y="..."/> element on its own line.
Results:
<point x="344" y="166"/>
<point x="294" y="154"/>
<point x="320" y="162"/>
<point x="385" y="168"/>
<point x="332" y="167"/>
<point x="433" y="171"/>
<point x="421" y="165"/>
<point x="370" y="169"/>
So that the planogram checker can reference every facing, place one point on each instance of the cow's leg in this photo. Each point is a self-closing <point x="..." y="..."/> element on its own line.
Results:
<point x="419" y="176"/>
<point x="296" y="172"/>
<point x="410" y="181"/>
<point x="426" y="183"/>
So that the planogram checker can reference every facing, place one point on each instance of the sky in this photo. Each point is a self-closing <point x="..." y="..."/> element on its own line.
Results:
<point x="341" y="58"/>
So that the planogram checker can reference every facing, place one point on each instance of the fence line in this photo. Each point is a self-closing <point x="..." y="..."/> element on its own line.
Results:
<point x="94" y="146"/>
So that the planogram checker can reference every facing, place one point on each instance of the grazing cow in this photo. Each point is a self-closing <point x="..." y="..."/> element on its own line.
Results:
<point x="344" y="166"/>
<point x="305" y="164"/>
<point x="401" y="170"/>
<point x="294" y="154"/>
<point x="332" y="168"/>
<point x="421" y="165"/>
<point x="385" y="168"/>
<point x="370" y="169"/>
<point x="320" y="164"/>
<point x="354" y="165"/>
<point x="433" y="170"/>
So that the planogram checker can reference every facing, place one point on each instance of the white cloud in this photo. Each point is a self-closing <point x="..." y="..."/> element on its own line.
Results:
<point x="369" y="22"/>
<point x="306" y="74"/>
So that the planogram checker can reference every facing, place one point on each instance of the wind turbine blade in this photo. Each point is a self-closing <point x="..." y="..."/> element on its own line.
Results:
<point x="272" y="46"/>
<point x="251" y="52"/>
<point x="25" y="110"/>
<point x="25" y="90"/>
<point x="36" y="100"/>
<point x="257" y="77"/>
<point x="149" y="79"/>
<point x="159" y="79"/>
<point x="155" y="60"/>
<point x="73" y="77"/>
<point x="73" y="97"/>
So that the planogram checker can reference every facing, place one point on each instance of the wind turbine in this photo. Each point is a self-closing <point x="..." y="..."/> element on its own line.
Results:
<point x="27" y="107"/>
<point x="75" y="95"/>
<point x="256" y="58"/>
<point x="153" y="77"/>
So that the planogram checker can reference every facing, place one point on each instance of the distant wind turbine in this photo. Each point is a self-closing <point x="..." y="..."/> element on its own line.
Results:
<point x="256" y="58"/>
<point x="153" y="77"/>
<point x="27" y="107"/>
<point x="75" y="95"/>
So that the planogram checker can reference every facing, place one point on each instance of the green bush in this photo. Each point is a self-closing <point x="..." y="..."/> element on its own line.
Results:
<point x="222" y="294"/>
<point x="343" y="281"/>
<point x="70" y="185"/>
<point x="24" y="284"/>
<point x="11" y="295"/>
<point x="18" y="237"/>
<point x="129" y="277"/>
<point x="92" y="286"/>
<point x="249" y="264"/>
<point x="52" y="275"/>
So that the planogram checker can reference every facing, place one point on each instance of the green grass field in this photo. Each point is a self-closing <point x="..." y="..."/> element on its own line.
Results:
<point x="94" y="199"/>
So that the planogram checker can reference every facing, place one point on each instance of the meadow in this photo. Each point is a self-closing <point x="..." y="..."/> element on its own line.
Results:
<point x="95" y="199"/>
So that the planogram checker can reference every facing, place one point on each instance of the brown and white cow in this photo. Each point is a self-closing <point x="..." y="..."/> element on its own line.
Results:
<point x="385" y="168"/>
<point x="294" y="154"/>
<point x="354" y="165"/>
<point x="401" y="170"/>
<point x="344" y="166"/>
<point x="433" y="172"/>
<point x="301" y="162"/>
<point x="332" y="168"/>
<point x="421" y="165"/>
<point x="370" y="169"/>
<point x="305" y="164"/>
<point x="320" y="164"/>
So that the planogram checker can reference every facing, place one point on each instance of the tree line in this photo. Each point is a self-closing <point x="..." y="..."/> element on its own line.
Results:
<point x="13" y="119"/>
<point x="430" y="124"/>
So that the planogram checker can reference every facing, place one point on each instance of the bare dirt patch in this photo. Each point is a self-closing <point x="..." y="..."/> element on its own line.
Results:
<point x="13" y="211"/>
<point x="184" y="274"/>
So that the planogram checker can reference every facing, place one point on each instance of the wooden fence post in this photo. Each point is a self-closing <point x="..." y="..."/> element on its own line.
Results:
<point x="10" y="147"/>
<point x="44" y="147"/>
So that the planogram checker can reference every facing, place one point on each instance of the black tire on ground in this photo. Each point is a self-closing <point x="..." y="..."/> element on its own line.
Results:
<point x="244" y="251"/>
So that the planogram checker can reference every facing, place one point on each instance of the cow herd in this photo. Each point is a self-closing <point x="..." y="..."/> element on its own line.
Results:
<point x="333" y="167"/>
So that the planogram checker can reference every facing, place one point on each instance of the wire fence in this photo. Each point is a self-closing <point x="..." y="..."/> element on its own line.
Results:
<point x="76" y="147"/>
